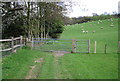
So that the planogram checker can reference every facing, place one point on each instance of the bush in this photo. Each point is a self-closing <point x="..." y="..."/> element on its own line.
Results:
<point x="26" y="47"/>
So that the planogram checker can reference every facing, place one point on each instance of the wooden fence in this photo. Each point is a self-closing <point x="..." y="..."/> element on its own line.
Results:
<point x="11" y="44"/>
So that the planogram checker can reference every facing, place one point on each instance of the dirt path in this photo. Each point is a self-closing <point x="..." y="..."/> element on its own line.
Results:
<point x="32" y="73"/>
<point x="35" y="69"/>
<point x="60" y="53"/>
<point x="57" y="55"/>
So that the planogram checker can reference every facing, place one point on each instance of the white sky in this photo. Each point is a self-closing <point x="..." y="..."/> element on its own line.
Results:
<point x="94" y="6"/>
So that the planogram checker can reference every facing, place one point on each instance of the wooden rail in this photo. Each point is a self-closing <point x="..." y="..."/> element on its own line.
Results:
<point x="13" y="46"/>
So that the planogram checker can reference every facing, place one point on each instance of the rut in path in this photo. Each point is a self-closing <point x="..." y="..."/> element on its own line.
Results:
<point x="31" y="73"/>
<point x="58" y="54"/>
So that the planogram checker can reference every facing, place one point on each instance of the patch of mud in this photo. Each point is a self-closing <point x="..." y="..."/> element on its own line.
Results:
<point x="61" y="53"/>
<point x="39" y="60"/>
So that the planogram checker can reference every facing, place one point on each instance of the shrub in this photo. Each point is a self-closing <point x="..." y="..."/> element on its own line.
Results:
<point x="26" y="47"/>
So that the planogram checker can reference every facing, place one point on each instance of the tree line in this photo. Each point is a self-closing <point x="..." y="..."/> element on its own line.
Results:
<point x="32" y="19"/>
<point x="84" y="19"/>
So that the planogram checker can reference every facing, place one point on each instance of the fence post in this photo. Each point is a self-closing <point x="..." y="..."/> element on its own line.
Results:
<point x="32" y="43"/>
<point x="105" y="48"/>
<point x="118" y="46"/>
<point x="21" y="41"/>
<point x="27" y="41"/>
<point x="88" y="46"/>
<point x="95" y="47"/>
<point x="16" y="42"/>
<point x="24" y="41"/>
<point x="12" y="44"/>
<point x="74" y="46"/>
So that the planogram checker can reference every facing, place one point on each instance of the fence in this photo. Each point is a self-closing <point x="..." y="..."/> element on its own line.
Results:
<point x="105" y="47"/>
<point x="81" y="46"/>
<point x="11" y="44"/>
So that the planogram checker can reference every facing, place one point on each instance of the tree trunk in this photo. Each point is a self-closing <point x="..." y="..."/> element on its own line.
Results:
<point x="28" y="20"/>
<point x="47" y="34"/>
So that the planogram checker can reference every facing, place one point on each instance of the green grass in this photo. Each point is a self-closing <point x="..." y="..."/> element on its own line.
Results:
<point x="16" y="66"/>
<point x="80" y="66"/>
<point x="88" y="66"/>
<point x="72" y="66"/>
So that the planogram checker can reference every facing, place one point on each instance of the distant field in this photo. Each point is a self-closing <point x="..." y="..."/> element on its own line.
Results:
<point x="108" y="35"/>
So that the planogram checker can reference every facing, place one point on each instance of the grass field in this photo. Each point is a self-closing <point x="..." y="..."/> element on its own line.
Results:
<point x="70" y="66"/>
<point x="108" y="35"/>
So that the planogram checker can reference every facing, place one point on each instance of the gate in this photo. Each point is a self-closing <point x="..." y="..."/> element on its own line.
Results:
<point x="48" y="44"/>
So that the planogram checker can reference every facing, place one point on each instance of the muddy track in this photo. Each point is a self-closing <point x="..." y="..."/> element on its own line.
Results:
<point x="31" y="73"/>
<point x="60" y="53"/>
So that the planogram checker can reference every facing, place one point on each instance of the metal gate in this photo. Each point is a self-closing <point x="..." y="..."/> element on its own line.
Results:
<point x="48" y="44"/>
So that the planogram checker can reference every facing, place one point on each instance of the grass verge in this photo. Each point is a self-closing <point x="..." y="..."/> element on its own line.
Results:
<point x="16" y="66"/>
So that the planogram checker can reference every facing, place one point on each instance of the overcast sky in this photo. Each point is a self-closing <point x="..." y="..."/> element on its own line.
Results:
<point x="93" y="6"/>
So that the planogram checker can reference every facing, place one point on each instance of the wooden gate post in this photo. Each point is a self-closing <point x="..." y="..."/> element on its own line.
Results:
<point x="21" y="41"/>
<point x="73" y="46"/>
<point x="32" y="43"/>
<point x="12" y="44"/>
<point x="118" y="46"/>
<point x="88" y="46"/>
<point x="105" y="48"/>
<point x="95" y="47"/>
